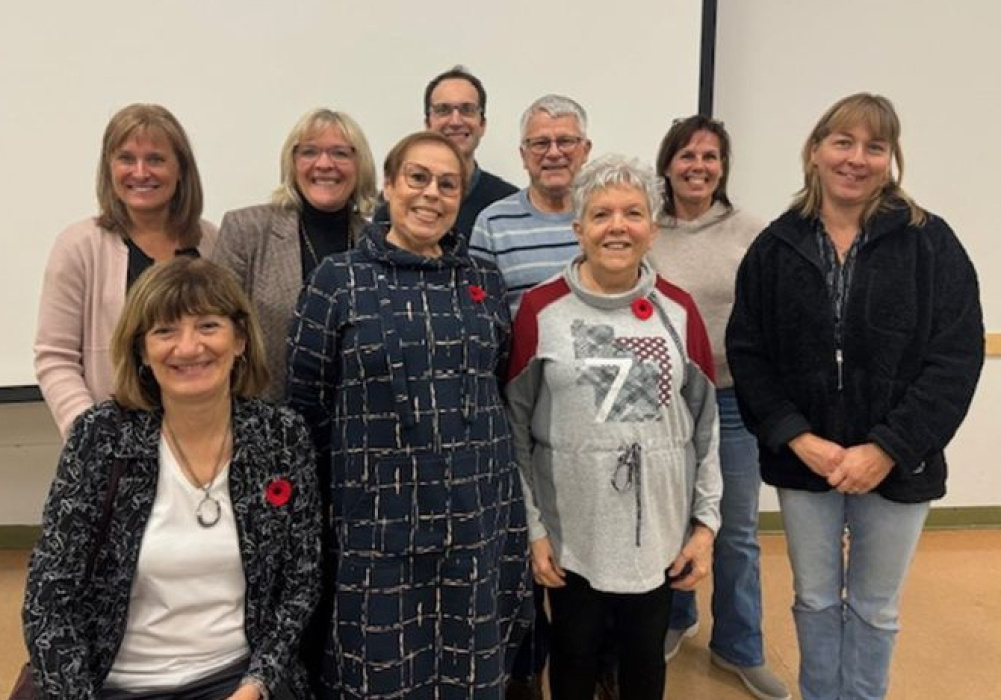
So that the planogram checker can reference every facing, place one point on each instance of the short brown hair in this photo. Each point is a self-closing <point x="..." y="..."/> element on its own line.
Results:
<point x="166" y="291"/>
<point x="396" y="156"/>
<point x="458" y="72"/>
<point x="679" y="136"/>
<point x="877" y="114"/>
<point x="184" y="220"/>
<point x="287" y="195"/>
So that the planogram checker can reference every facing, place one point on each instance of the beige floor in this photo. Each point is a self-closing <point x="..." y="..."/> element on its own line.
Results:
<point x="949" y="649"/>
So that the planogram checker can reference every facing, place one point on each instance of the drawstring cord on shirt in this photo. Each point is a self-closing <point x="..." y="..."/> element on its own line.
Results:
<point x="629" y="469"/>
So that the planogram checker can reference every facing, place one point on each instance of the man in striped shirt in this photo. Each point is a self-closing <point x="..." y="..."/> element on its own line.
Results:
<point x="529" y="234"/>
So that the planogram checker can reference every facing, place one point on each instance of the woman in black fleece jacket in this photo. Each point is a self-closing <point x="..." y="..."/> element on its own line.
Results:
<point x="856" y="342"/>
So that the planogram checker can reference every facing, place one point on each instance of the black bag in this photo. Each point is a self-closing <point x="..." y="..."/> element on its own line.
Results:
<point x="24" y="687"/>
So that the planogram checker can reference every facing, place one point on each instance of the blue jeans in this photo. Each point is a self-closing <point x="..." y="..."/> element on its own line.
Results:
<point x="736" y="602"/>
<point x="847" y="594"/>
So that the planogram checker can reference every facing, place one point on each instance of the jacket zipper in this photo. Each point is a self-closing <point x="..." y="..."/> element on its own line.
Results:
<point x="839" y="357"/>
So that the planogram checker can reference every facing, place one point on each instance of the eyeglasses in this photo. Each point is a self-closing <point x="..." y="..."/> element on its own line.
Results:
<point x="445" y="109"/>
<point x="311" y="154"/>
<point x="541" y="146"/>
<point x="419" y="178"/>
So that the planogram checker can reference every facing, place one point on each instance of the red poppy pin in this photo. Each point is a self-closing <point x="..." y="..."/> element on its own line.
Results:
<point x="477" y="293"/>
<point x="642" y="308"/>
<point x="278" y="491"/>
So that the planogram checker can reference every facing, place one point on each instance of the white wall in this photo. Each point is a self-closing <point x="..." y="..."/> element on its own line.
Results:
<point x="238" y="74"/>
<point x="780" y="64"/>
<point x="29" y="448"/>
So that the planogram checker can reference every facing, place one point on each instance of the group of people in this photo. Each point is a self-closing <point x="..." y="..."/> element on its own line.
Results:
<point x="325" y="449"/>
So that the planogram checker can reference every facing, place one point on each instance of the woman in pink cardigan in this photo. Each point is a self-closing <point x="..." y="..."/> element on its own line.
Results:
<point x="150" y="199"/>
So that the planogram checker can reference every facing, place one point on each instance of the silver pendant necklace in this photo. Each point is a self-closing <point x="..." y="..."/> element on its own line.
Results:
<point x="209" y="510"/>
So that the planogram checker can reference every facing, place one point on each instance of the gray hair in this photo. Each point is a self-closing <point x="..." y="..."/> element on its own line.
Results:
<point x="555" y="106"/>
<point x="613" y="170"/>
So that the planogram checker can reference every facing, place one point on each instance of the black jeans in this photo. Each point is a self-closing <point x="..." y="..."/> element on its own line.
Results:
<point x="580" y="618"/>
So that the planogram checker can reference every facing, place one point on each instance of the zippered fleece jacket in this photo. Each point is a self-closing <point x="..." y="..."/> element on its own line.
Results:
<point x="616" y="431"/>
<point x="912" y="349"/>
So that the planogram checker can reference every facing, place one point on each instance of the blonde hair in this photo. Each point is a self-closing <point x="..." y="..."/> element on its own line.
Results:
<point x="287" y="195"/>
<point x="166" y="291"/>
<point x="877" y="114"/>
<point x="184" y="217"/>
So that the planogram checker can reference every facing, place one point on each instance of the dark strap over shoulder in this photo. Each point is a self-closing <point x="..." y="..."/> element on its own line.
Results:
<point x="117" y="469"/>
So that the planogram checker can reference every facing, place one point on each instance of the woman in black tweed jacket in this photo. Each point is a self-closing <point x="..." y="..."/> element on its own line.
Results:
<point x="187" y="356"/>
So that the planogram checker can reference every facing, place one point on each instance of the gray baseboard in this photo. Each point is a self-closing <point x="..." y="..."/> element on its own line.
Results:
<point x="18" y="536"/>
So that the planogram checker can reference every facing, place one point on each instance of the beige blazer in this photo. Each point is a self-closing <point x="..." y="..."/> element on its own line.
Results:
<point x="261" y="245"/>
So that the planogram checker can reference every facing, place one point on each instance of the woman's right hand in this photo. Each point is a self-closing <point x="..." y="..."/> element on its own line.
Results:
<point x="545" y="570"/>
<point x="820" y="455"/>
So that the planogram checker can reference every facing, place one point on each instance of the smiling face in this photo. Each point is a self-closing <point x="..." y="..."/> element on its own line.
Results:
<point x="552" y="172"/>
<point x="851" y="165"/>
<point x="694" y="173"/>
<point x="465" y="131"/>
<point x="421" y="216"/>
<point x="192" y="357"/>
<point x="326" y="169"/>
<point x="615" y="232"/>
<point x="145" y="173"/>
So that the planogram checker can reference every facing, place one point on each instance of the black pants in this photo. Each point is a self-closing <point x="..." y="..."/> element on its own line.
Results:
<point x="216" y="686"/>
<point x="580" y="618"/>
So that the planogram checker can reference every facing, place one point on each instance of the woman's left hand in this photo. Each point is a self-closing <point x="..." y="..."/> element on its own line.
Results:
<point x="861" y="470"/>
<point x="696" y="556"/>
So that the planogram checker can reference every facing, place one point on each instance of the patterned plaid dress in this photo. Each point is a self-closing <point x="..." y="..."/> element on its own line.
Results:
<point x="394" y="360"/>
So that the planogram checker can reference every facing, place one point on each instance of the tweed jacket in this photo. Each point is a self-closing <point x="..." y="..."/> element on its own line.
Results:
<point x="73" y="628"/>
<point x="83" y="294"/>
<point x="912" y="350"/>
<point x="261" y="245"/>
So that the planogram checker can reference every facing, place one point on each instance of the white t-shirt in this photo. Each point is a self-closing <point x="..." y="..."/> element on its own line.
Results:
<point x="186" y="608"/>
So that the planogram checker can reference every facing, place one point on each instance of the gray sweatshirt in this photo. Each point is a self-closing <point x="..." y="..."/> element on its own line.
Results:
<point x="616" y="432"/>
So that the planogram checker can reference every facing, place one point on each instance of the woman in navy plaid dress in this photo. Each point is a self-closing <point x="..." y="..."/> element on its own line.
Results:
<point x="394" y="359"/>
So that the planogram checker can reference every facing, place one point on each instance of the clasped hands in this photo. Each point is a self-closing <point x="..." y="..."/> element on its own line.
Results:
<point x="850" y="470"/>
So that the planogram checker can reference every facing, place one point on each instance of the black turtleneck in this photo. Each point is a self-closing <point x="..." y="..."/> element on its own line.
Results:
<point x="322" y="233"/>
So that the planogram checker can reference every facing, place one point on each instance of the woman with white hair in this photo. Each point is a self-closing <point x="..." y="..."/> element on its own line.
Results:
<point x="615" y="424"/>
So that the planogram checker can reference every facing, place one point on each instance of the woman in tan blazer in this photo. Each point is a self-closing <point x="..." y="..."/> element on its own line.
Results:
<point x="327" y="190"/>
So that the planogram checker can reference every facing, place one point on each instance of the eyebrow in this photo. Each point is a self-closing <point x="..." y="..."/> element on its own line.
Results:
<point x="425" y="167"/>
